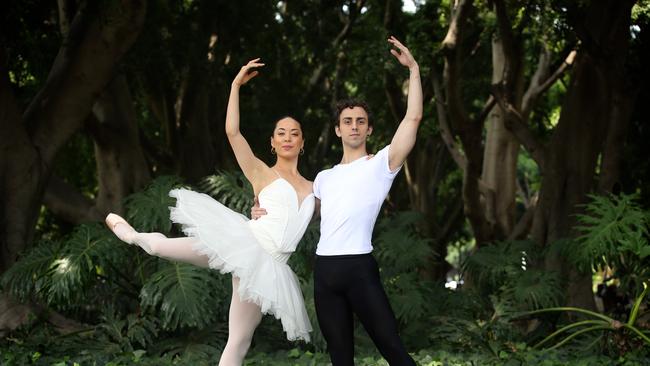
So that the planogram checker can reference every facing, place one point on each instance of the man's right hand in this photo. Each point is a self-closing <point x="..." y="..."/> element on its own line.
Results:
<point x="257" y="211"/>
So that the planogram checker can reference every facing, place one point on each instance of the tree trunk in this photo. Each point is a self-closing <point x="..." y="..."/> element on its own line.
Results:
<point x="500" y="159"/>
<point x="580" y="135"/>
<point x="121" y="165"/>
<point x="197" y="151"/>
<point x="29" y="143"/>
<point x="19" y="166"/>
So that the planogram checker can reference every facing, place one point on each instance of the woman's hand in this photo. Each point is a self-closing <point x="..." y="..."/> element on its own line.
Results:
<point x="247" y="72"/>
<point x="404" y="55"/>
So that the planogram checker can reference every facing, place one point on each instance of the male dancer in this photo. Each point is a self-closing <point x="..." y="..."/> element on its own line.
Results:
<point x="346" y="276"/>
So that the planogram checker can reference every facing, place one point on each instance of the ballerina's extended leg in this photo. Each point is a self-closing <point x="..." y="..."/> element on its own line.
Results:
<point x="178" y="249"/>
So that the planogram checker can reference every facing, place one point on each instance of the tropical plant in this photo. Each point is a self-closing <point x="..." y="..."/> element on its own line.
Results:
<point x="613" y="234"/>
<point x="185" y="295"/>
<point x="77" y="274"/>
<point x="624" y="333"/>
<point x="402" y="253"/>
<point x="91" y="275"/>
<point x="231" y="188"/>
<point x="503" y="269"/>
<point x="148" y="210"/>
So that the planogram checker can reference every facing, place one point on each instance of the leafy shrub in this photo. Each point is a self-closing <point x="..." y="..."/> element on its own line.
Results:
<point x="613" y="233"/>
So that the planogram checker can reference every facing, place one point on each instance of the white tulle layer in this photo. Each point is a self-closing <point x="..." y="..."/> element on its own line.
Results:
<point x="226" y="238"/>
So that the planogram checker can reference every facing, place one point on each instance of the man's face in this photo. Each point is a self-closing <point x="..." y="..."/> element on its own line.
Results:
<point x="353" y="128"/>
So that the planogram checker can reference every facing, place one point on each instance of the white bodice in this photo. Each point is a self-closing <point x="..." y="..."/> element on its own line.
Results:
<point x="281" y="229"/>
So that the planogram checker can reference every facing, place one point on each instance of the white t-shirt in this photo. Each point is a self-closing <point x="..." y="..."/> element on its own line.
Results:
<point x="351" y="196"/>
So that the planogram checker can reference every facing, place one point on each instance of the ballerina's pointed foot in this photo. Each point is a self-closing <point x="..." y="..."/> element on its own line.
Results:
<point x="120" y="228"/>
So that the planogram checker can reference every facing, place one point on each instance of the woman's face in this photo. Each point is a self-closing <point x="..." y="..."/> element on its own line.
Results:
<point x="287" y="138"/>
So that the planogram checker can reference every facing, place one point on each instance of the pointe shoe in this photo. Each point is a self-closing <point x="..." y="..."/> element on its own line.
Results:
<point x="126" y="234"/>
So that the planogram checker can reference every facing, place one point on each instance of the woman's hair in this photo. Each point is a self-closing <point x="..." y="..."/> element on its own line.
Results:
<point x="275" y="124"/>
<point x="341" y="105"/>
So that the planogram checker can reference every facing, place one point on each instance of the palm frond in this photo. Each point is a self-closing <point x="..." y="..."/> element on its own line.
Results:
<point x="27" y="277"/>
<point x="184" y="294"/>
<point x="231" y="189"/>
<point x="85" y="253"/>
<point x="610" y="224"/>
<point x="148" y="210"/>
<point x="613" y="232"/>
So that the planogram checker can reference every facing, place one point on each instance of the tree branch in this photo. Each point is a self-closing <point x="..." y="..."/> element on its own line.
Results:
<point x="81" y="70"/>
<point x="516" y="123"/>
<point x="509" y="44"/>
<point x="459" y="14"/>
<point x="66" y="202"/>
<point x="317" y="75"/>
<point x="445" y="130"/>
<point x="524" y="224"/>
<point x="540" y="82"/>
<point x="489" y="104"/>
<point x="467" y="132"/>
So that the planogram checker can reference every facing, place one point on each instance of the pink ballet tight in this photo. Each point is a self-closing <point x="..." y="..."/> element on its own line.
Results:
<point x="243" y="317"/>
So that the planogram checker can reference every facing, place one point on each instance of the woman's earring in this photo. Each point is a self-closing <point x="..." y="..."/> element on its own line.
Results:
<point x="302" y="151"/>
<point x="272" y="150"/>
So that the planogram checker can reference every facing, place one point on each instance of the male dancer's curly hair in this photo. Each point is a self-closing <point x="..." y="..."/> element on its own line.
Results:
<point x="341" y="105"/>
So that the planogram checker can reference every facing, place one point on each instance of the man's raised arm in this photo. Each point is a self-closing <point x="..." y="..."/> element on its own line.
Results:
<point x="404" y="138"/>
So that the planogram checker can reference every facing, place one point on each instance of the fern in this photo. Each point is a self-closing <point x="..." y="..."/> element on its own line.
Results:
<point x="491" y="264"/>
<point x="141" y="330"/>
<point x="503" y="269"/>
<point x="534" y="288"/>
<point x="184" y="294"/>
<point x="149" y="210"/>
<point x="402" y="252"/>
<point x="400" y="247"/>
<point x="231" y="189"/>
<point x="126" y="332"/>
<point x="201" y="347"/>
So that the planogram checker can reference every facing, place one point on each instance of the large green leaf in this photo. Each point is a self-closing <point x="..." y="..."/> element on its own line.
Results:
<point x="148" y="210"/>
<point x="78" y="263"/>
<point x="27" y="277"/>
<point x="231" y="189"/>
<point x="184" y="294"/>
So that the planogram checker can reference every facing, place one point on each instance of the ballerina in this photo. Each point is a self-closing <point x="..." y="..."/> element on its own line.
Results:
<point x="255" y="252"/>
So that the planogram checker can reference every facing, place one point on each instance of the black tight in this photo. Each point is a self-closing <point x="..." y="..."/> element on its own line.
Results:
<point x="350" y="284"/>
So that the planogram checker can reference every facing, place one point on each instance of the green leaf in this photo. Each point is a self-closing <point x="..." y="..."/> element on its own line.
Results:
<point x="148" y="210"/>
<point x="186" y="295"/>
<point x="232" y="189"/>
<point x="27" y="277"/>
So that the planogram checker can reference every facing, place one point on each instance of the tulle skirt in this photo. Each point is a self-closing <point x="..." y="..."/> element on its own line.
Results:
<point x="225" y="237"/>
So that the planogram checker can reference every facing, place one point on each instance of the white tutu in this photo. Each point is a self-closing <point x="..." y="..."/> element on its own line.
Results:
<point x="228" y="239"/>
